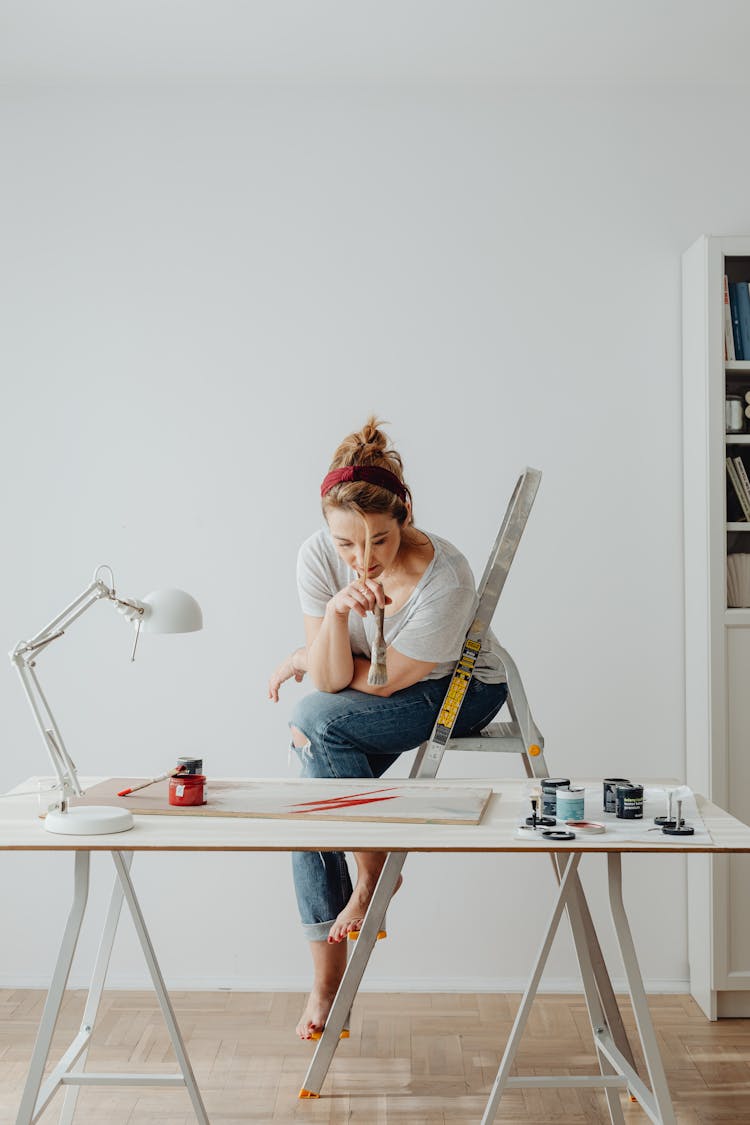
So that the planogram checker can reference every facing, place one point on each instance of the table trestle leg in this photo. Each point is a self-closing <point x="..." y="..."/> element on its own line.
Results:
<point x="31" y="1106"/>
<point x="659" y="1105"/>
<point x="567" y="882"/>
<point x="591" y="992"/>
<point x="122" y="867"/>
<point x="96" y="987"/>
<point x="612" y="1013"/>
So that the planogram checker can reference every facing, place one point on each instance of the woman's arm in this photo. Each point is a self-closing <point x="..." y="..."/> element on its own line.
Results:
<point x="293" y="665"/>
<point x="329" y="651"/>
<point x="402" y="673"/>
<point x="402" y="670"/>
<point x="327" y="655"/>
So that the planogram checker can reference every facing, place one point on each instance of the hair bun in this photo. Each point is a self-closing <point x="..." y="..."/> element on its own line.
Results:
<point x="369" y="448"/>
<point x="372" y="440"/>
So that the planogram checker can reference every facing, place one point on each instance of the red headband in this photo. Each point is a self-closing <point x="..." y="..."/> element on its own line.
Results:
<point x="371" y="474"/>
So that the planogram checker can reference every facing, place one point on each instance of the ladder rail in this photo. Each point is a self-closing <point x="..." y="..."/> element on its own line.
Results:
<point x="490" y="588"/>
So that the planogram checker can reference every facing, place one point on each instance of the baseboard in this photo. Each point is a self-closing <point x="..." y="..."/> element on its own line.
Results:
<point x="125" y="983"/>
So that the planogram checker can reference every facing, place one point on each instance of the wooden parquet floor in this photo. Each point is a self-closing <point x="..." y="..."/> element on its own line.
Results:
<point x="425" y="1059"/>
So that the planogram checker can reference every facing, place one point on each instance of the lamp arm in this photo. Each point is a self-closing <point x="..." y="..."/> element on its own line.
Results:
<point x="23" y="657"/>
<point x="93" y="592"/>
<point x="54" y="745"/>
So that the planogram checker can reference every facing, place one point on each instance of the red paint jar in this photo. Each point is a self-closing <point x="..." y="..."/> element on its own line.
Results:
<point x="187" y="789"/>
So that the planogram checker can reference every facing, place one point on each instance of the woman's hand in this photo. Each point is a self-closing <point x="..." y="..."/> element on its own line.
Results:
<point x="361" y="596"/>
<point x="284" y="672"/>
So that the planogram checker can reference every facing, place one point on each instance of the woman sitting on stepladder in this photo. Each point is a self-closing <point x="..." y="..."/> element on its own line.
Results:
<point x="370" y="554"/>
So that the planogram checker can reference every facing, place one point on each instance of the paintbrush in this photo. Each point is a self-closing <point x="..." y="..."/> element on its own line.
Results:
<point x="378" y="674"/>
<point x="151" y="781"/>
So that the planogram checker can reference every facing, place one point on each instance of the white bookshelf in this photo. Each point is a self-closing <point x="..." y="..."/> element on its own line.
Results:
<point x="717" y="638"/>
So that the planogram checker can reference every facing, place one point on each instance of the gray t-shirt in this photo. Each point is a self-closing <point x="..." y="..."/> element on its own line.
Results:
<point x="430" y="626"/>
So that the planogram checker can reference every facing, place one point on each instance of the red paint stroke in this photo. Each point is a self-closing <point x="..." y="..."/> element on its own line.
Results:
<point x="342" y="804"/>
<point x="346" y="798"/>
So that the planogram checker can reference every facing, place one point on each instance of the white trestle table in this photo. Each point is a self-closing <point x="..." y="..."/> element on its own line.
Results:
<point x="22" y="830"/>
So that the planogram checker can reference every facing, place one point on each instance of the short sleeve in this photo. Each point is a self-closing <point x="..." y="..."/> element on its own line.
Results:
<point x="436" y="630"/>
<point x="315" y="584"/>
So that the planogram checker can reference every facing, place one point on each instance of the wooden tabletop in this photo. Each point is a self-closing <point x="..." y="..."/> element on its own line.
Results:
<point x="21" y="829"/>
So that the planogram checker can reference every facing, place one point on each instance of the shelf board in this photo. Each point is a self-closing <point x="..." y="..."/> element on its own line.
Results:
<point x="744" y="526"/>
<point x="736" y="617"/>
<point x="737" y="366"/>
<point x="737" y="439"/>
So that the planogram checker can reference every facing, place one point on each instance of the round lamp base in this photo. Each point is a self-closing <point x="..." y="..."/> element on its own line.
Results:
<point x="89" y="820"/>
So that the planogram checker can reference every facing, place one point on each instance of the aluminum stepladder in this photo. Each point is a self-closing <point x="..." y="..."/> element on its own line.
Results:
<point x="521" y="735"/>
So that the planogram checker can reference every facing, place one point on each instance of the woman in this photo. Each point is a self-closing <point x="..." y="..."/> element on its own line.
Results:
<point x="370" y="554"/>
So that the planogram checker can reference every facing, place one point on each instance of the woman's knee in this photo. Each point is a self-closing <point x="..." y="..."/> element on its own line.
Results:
<point x="313" y="712"/>
<point x="302" y="722"/>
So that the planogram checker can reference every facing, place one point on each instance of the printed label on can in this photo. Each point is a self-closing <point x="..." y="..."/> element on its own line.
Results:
<point x="570" y="804"/>
<point x="630" y="802"/>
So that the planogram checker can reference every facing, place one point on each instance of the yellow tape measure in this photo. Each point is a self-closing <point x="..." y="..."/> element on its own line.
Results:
<point x="457" y="690"/>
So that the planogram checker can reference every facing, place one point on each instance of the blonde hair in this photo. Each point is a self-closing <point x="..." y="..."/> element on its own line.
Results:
<point x="368" y="446"/>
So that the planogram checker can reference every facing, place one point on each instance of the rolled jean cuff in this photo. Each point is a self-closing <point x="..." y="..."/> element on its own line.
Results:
<point x="317" y="931"/>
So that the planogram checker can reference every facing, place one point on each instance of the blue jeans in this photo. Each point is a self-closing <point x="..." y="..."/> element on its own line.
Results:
<point x="353" y="734"/>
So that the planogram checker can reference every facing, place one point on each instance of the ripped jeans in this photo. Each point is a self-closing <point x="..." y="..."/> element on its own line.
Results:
<point x="353" y="734"/>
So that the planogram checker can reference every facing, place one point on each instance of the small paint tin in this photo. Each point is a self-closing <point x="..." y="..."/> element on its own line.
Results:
<point x="550" y="785"/>
<point x="190" y="765"/>
<point x="630" y="802"/>
<point x="586" y="827"/>
<point x="610" y="792"/>
<point x="187" y="789"/>
<point x="570" y="804"/>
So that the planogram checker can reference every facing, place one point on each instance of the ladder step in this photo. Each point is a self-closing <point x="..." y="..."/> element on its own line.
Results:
<point x="496" y="737"/>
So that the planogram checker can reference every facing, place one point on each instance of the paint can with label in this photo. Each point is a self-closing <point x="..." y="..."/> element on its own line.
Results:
<point x="610" y="792"/>
<point x="570" y="804"/>
<point x="630" y="802"/>
<point x="187" y="789"/>
<point x="550" y="786"/>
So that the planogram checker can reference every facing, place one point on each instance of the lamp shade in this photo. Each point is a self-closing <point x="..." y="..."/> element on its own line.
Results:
<point x="171" y="611"/>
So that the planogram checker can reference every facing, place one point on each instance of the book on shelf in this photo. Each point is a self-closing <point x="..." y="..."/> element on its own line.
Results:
<point x="735" y="320"/>
<point x="728" y="334"/>
<point x="742" y="474"/>
<point x="743" y="315"/>
<point x="737" y="486"/>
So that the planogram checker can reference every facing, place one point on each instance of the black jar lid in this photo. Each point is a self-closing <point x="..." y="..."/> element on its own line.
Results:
<point x="554" y="782"/>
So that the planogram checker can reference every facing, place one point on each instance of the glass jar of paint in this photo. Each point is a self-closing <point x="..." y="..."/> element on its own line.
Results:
<point x="570" y="804"/>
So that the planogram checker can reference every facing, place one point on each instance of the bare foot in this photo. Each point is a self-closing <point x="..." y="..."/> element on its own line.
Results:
<point x="316" y="1013"/>
<point x="353" y="914"/>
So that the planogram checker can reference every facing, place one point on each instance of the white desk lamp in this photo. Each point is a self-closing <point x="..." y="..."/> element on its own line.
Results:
<point x="163" y="611"/>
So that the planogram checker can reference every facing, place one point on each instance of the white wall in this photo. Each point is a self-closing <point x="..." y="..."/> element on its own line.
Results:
<point x="203" y="289"/>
